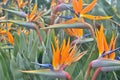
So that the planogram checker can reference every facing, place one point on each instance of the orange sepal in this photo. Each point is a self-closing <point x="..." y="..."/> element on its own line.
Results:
<point x="53" y="3"/>
<point x="31" y="15"/>
<point x="72" y="52"/>
<point x="10" y="38"/>
<point x="112" y="47"/>
<point x="95" y="17"/>
<point x="75" y="6"/>
<point x="79" y="56"/>
<point x="89" y="7"/>
<point x="80" y="3"/>
<point x="99" y="39"/>
<point x="78" y="32"/>
<point x="65" y="51"/>
<point x="56" y="55"/>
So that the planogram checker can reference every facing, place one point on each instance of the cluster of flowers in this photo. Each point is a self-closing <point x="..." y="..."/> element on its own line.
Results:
<point x="66" y="53"/>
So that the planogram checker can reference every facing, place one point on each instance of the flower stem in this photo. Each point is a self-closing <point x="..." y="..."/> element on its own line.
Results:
<point x="68" y="76"/>
<point x="38" y="33"/>
<point x="97" y="71"/>
<point x="88" y="71"/>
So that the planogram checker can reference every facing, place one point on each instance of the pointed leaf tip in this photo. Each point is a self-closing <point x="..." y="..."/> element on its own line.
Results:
<point x="47" y="72"/>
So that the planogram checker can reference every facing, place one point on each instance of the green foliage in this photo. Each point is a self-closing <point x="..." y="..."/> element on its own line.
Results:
<point x="27" y="48"/>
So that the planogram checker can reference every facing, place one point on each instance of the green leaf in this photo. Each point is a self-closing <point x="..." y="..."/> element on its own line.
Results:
<point x="4" y="69"/>
<point x="118" y="9"/>
<point x="33" y="50"/>
<point x="14" y="70"/>
<point x="80" y="76"/>
<point x="47" y="55"/>
<point x="72" y="70"/>
<point x="17" y="43"/>
<point x="18" y="13"/>
<point x="47" y="73"/>
<point x="73" y="25"/>
<point x="23" y="44"/>
<point x="30" y="25"/>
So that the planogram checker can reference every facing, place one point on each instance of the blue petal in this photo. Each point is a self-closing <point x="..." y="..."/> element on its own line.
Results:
<point x="111" y="51"/>
<point x="66" y="17"/>
<point x="86" y="35"/>
<point x="117" y="58"/>
<point x="44" y="65"/>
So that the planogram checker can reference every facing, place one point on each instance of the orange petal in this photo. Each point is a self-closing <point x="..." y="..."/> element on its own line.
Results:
<point x="19" y="2"/>
<point x="80" y="5"/>
<point x="71" y="55"/>
<point x="106" y="48"/>
<point x="112" y="46"/>
<point x="89" y="7"/>
<point x="74" y="32"/>
<point x="31" y="16"/>
<point x="56" y="55"/>
<point x="25" y="3"/>
<point x="78" y="57"/>
<point x="78" y="32"/>
<point x="99" y="39"/>
<point x="98" y="43"/>
<point x="9" y="26"/>
<point x="95" y="17"/>
<point x="65" y="51"/>
<point x="2" y="31"/>
<point x="10" y="38"/>
<point x="75" y="6"/>
<point x="71" y="21"/>
<point x="34" y="9"/>
<point x="53" y="3"/>
<point x="69" y="31"/>
<point x="105" y="44"/>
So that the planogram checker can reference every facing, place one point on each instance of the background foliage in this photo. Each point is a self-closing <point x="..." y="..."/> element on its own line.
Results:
<point x="27" y="48"/>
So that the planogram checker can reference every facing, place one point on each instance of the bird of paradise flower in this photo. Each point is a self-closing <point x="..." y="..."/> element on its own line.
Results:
<point x="106" y="60"/>
<point x="34" y="15"/>
<point x="102" y="44"/>
<point x="10" y="38"/>
<point x="31" y="16"/>
<point x="80" y="13"/>
<point x="63" y="56"/>
<point x="21" y="3"/>
<point x="5" y="32"/>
